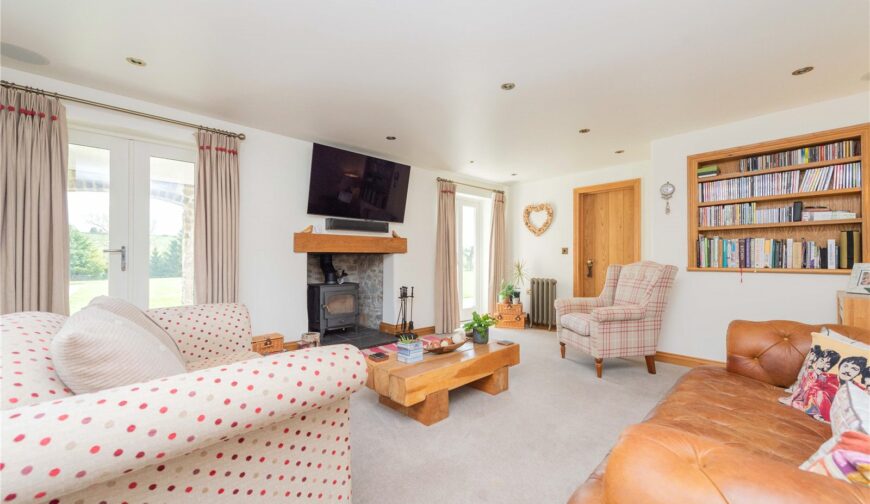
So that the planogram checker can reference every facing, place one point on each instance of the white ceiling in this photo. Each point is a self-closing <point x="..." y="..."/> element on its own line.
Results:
<point x="352" y="72"/>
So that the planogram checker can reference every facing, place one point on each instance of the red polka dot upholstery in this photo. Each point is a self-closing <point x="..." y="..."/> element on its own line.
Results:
<point x="274" y="428"/>
<point x="28" y="376"/>
<point x="206" y="331"/>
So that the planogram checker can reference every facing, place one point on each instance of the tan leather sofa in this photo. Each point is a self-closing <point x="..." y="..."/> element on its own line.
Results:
<point x="721" y="436"/>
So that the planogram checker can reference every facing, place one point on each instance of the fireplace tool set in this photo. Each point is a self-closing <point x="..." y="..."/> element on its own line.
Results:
<point x="405" y="320"/>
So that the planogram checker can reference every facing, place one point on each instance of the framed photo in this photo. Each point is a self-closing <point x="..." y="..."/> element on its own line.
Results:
<point x="859" y="281"/>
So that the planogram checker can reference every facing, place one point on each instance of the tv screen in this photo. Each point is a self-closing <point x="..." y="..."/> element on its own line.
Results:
<point x="356" y="186"/>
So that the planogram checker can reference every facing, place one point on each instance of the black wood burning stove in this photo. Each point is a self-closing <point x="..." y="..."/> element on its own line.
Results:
<point x="333" y="306"/>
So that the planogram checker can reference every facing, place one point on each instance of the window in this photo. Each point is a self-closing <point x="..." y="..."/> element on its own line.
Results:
<point x="472" y="234"/>
<point x="131" y="214"/>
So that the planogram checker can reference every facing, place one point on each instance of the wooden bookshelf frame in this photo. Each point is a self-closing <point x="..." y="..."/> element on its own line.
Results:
<point x="817" y="230"/>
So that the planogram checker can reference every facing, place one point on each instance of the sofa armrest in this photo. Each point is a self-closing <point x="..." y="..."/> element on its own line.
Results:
<point x="618" y="313"/>
<point x="58" y="447"/>
<point x="206" y="331"/>
<point x="656" y="464"/>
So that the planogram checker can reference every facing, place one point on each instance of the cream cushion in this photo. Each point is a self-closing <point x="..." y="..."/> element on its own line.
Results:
<point x="132" y="313"/>
<point x="98" y="349"/>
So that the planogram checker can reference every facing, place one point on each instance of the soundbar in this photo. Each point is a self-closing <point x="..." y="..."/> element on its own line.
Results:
<point x="356" y="225"/>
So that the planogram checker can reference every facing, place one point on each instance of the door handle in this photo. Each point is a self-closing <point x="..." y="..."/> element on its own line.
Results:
<point x="123" y="252"/>
<point x="589" y="268"/>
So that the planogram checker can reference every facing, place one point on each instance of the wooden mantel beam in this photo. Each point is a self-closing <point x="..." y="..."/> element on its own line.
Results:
<point x="320" y="243"/>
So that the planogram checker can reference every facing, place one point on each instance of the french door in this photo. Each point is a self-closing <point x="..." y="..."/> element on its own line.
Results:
<point x="470" y="232"/>
<point x="131" y="215"/>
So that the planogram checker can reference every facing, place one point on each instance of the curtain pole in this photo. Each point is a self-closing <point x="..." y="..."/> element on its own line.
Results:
<point x="470" y="185"/>
<point x="12" y="85"/>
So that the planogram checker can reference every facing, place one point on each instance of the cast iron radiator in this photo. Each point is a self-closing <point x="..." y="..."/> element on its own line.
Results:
<point x="543" y="297"/>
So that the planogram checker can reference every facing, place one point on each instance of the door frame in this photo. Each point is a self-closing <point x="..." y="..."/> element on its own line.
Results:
<point x="579" y="192"/>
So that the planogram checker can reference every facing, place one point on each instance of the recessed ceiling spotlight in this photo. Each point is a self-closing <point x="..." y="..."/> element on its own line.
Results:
<point x="620" y="151"/>
<point x="514" y="174"/>
<point x="391" y="137"/>
<point x="585" y="130"/>
<point x="471" y="162"/>
<point x="136" y="61"/>
<point x="507" y="86"/>
<point x="801" y="71"/>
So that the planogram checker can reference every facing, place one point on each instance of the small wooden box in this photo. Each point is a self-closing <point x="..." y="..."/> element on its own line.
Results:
<point x="510" y="309"/>
<point x="266" y="344"/>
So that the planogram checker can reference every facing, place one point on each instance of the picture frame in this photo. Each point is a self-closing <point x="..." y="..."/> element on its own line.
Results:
<point x="859" y="280"/>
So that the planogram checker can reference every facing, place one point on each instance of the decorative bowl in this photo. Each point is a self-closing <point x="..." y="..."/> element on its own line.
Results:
<point x="444" y="349"/>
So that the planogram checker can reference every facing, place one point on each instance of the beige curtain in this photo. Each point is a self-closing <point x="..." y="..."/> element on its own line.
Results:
<point x="216" y="230"/>
<point x="34" y="232"/>
<point x="446" y="266"/>
<point x="496" y="250"/>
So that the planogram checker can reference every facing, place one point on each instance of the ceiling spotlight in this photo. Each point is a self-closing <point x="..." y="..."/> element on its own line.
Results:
<point x="801" y="71"/>
<point x="507" y="86"/>
<point x="620" y="151"/>
<point x="135" y="61"/>
<point x="391" y="137"/>
<point x="471" y="162"/>
<point x="514" y="174"/>
<point x="585" y="130"/>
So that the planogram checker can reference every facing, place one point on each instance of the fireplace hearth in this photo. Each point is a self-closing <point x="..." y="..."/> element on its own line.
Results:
<point x="345" y="299"/>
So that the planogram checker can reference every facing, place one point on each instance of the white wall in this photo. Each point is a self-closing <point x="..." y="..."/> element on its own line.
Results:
<point x="274" y="193"/>
<point x="543" y="254"/>
<point x="702" y="303"/>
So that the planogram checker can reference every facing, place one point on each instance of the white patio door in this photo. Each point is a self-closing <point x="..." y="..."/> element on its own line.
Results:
<point x="470" y="232"/>
<point x="131" y="220"/>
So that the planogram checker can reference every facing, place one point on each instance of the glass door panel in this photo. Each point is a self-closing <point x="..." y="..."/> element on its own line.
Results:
<point x="468" y="260"/>
<point x="96" y="194"/>
<point x="170" y="232"/>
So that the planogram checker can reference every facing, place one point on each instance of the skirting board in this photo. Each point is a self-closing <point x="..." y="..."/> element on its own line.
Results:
<point x="685" y="360"/>
<point x="394" y="329"/>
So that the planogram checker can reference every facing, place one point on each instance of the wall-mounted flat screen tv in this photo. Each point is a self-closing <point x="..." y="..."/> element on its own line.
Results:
<point x="356" y="186"/>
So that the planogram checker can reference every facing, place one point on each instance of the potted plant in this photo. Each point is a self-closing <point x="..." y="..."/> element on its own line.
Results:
<point x="479" y="326"/>
<point x="506" y="292"/>
<point x="520" y="277"/>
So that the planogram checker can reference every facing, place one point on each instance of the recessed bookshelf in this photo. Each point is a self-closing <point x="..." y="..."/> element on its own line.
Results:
<point x="794" y="205"/>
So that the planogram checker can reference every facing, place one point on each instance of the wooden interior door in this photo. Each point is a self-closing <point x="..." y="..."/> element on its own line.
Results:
<point x="606" y="231"/>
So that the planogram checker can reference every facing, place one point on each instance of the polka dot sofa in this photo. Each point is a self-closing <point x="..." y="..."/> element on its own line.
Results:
<point x="235" y="427"/>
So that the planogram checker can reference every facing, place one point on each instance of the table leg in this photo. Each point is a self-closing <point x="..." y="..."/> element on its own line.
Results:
<point x="493" y="384"/>
<point x="433" y="409"/>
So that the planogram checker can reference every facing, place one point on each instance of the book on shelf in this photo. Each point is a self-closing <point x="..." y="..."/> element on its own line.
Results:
<point x="850" y="249"/>
<point x="708" y="171"/>
<point x="761" y="253"/>
<point x="824" y="214"/>
<point x="804" y="155"/>
<point x="841" y="176"/>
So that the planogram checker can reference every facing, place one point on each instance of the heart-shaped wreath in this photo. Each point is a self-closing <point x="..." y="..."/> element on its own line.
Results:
<point x="541" y="207"/>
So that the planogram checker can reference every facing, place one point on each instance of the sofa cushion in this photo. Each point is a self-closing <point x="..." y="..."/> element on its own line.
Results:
<point x="97" y="349"/>
<point x="223" y="360"/>
<point x="577" y="322"/>
<point x="28" y="375"/>
<point x="740" y="412"/>
<point x="832" y="361"/>
<point x="131" y="312"/>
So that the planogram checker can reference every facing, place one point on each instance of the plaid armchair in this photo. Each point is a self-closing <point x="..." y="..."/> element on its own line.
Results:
<point x="624" y="320"/>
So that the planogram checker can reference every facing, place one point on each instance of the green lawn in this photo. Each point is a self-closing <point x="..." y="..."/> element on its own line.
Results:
<point x="162" y="292"/>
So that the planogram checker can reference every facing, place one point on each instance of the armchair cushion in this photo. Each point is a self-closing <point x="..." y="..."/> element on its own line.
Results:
<point x="577" y="322"/>
<point x="97" y="349"/>
<point x="618" y="313"/>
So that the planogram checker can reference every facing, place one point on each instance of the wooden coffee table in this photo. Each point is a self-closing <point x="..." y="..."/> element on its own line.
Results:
<point x="420" y="390"/>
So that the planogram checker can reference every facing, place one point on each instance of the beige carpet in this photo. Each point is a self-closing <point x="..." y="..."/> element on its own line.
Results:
<point x="534" y="443"/>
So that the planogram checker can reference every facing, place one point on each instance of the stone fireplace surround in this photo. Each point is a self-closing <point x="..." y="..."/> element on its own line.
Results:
<point x="365" y="269"/>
